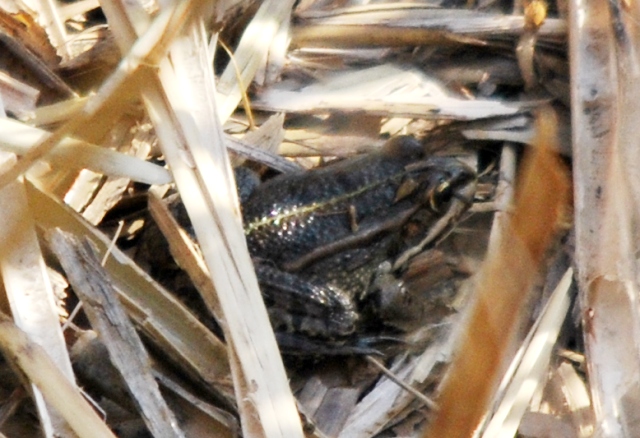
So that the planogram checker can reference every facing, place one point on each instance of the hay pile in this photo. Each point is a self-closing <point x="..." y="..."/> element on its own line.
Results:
<point x="107" y="108"/>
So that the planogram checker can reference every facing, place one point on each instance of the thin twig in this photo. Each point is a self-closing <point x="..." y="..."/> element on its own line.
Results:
<point x="245" y="98"/>
<point x="387" y="372"/>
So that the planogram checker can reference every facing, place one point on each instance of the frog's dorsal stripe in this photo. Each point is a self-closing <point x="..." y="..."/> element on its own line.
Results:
<point x="303" y="210"/>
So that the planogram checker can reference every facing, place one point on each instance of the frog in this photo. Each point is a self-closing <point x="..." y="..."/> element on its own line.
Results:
<point x="321" y="240"/>
<point x="324" y="243"/>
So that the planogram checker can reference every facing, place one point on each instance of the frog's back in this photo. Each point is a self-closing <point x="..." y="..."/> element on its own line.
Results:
<point x="294" y="214"/>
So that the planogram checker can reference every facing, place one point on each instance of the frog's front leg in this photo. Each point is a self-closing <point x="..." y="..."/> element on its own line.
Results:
<point x="298" y="306"/>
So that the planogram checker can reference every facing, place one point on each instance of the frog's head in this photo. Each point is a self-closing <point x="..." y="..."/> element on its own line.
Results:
<point x="437" y="181"/>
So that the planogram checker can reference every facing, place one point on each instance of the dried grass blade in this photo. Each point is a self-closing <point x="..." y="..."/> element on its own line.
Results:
<point x="159" y="315"/>
<point x="531" y="364"/>
<point x="269" y="135"/>
<point x="604" y="67"/>
<point x="251" y="54"/>
<point x="383" y="404"/>
<point x="56" y="388"/>
<point x="625" y="21"/>
<point x="413" y="27"/>
<point x="506" y="277"/>
<point x="80" y="7"/>
<point x="28" y="287"/>
<point x="186" y="255"/>
<point x="385" y="90"/>
<point x="19" y="138"/>
<point x="55" y="113"/>
<point x="194" y="149"/>
<point x="251" y="152"/>
<point x="578" y="400"/>
<point x="50" y="19"/>
<point x="148" y="50"/>
<point x="190" y="135"/>
<point x="116" y="331"/>
<point x="462" y="21"/>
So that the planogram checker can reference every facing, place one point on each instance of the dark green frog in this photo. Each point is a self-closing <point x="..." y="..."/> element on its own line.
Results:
<point x="318" y="239"/>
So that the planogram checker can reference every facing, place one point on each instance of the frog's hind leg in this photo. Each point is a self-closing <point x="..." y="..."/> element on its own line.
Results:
<point x="297" y="305"/>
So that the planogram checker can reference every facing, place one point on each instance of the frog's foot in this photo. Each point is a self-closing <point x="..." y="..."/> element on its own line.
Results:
<point x="296" y="305"/>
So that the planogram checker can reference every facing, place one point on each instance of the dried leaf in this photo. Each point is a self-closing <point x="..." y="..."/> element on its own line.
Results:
<point x="507" y="275"/>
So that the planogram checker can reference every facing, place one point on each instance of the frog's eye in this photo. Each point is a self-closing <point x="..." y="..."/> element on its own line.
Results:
<point x="440" y="196"/>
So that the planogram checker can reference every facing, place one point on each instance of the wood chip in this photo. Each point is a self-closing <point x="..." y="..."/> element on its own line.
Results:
<point x="116" y="331"/>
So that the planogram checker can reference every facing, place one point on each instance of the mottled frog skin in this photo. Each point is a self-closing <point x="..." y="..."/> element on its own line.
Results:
<point x="318" y="238"/>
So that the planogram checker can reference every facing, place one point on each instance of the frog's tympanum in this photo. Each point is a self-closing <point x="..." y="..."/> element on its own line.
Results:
<point x="318" y="239"/>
